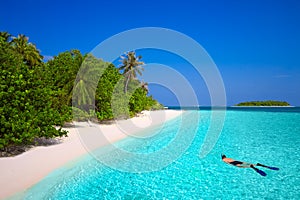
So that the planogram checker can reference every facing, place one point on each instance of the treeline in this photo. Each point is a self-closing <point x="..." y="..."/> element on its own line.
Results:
<point x="37" y="98"/>
<point x="264" y="103"/>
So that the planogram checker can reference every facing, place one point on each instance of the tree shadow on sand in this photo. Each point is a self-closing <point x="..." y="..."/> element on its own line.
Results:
<point x="15" y="150"/>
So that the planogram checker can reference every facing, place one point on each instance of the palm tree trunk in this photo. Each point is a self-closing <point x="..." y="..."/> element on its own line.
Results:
<point x="126" y="83"/>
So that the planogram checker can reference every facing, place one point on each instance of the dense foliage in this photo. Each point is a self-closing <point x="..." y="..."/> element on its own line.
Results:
<point x="36" y="96"/>
<point x="60" y="74"/>
<point x="264" y="103"/>
<point x="107" y="87"/>
<point x="26" y="109"/>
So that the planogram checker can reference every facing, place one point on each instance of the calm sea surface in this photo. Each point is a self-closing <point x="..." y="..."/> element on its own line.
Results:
<point x="269" y="136"/>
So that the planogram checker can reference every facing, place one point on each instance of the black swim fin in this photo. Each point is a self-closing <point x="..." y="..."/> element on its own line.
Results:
<point x="259" y="171"/>
<point x="273" y="168"/>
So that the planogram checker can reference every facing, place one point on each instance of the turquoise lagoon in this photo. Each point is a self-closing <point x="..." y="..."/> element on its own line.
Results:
<point x="268" y="135"/>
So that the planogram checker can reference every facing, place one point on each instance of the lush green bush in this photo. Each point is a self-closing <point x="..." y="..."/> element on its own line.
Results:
<point x="26" y="111"/>
<point x="110" y="97"/>
<point x="35" y="96"/>
<point x="60" y="74"/>
<point x="80" y="115"/>
<point x="139" y="101"/>
<point x="113" y="103"/>
<point x="156" y="105"/>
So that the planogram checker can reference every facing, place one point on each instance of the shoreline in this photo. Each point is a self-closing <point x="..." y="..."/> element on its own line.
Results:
<point x="21" y="172"/>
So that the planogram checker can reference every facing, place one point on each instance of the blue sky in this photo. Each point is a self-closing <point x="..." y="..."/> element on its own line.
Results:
<point x="255" y="44"/>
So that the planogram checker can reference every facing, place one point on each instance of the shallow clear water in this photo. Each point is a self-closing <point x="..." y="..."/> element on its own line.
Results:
<point x="271" y="138"/>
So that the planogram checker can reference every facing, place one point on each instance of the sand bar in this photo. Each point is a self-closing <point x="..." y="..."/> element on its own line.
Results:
<point x="23" y="171"/>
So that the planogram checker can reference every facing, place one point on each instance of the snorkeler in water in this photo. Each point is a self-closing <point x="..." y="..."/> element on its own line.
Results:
<point x="247" y="165"/>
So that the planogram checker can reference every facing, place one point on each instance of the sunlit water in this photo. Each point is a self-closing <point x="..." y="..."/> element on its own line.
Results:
<point x="271" y="138"/>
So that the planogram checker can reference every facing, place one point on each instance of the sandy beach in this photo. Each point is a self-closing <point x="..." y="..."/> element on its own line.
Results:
<point x="21" y="172"/>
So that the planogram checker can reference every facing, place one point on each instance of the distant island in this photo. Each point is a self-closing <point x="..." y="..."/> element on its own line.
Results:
<point x="264" y="103"/>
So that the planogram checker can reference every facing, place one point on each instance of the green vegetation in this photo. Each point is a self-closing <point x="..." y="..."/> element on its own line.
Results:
<point x="26" y="110"/>
<point x="131" y="65"/>
<point x="37" y="98"/>
<point x="264" y="103"/>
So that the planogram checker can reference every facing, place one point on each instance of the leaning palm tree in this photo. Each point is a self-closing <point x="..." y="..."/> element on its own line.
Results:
<point x="131" y="66"/>
<point x="31" y="55"/>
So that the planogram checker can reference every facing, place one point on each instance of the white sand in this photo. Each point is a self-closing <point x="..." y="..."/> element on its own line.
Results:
<point x="21" y="172"/>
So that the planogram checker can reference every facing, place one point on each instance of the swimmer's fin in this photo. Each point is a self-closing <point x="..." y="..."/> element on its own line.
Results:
<point x="273" y="168"/>
<point x="259" y="171"/>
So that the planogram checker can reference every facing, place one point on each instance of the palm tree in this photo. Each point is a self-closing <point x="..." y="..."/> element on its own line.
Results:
<point x="86" y="82"/>
<point x="144" y="86"/>
<point x="6" y="36"/>
<point x="31" y="55"/>
<point x="131" y="66"/>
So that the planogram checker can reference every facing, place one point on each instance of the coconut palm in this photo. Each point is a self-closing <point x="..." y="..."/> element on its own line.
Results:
<point x="144" y="86"/>
<point x="131" y="66"/>
<point x="87" y="81"/>
<point x="5" y="35"/>
<point x="31" y="55"/>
